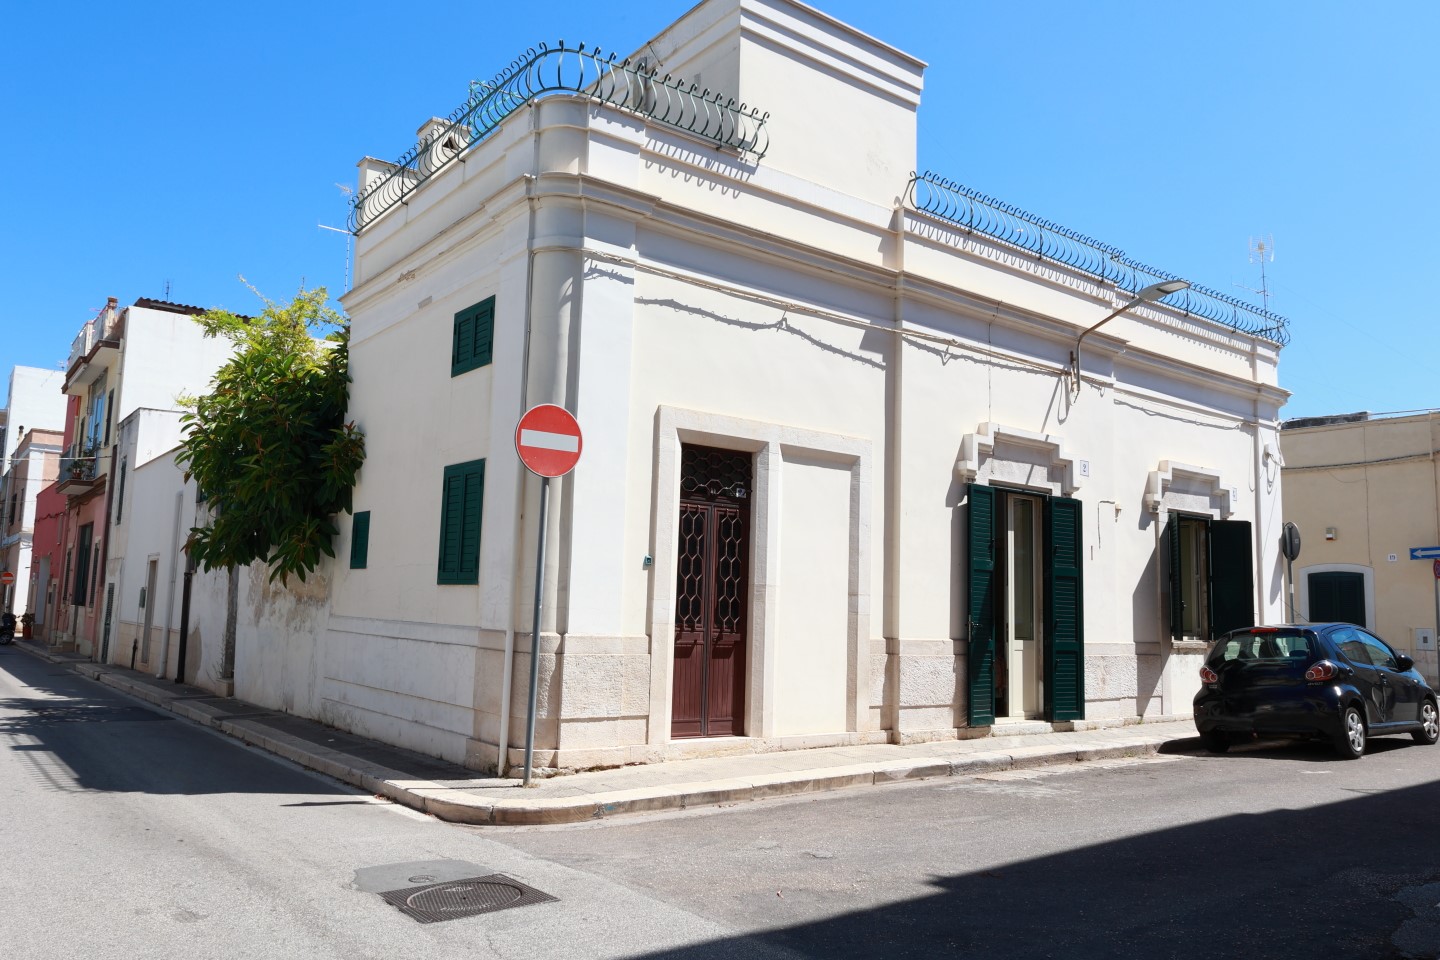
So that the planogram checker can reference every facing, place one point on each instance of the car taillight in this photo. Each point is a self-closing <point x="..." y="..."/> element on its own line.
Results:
<point x="1209" y="676"/>
<point x="1323" y="670"/>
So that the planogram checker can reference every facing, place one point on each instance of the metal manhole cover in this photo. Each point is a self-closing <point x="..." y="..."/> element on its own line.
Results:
<point x="464" y="898"/>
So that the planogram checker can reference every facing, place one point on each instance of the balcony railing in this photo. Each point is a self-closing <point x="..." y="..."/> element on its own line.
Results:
<point x="628" y="86"/>
<point x="978" y="213"/>
<point x="79" y="464"/>
<point x="101" y="328"/>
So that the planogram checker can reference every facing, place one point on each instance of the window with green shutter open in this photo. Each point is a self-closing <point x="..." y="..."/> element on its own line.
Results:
<point x="462" y="502"/>
<point x="360" y="540"/>
<point x="473" y="336"/>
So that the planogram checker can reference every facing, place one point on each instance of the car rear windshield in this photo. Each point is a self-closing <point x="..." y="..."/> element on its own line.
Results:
<point x="1268" y="645"/>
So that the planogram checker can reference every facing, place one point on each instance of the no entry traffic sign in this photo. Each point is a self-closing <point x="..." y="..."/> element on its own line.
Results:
<point x="548" y="440"/>
<point x="7" y="578"/>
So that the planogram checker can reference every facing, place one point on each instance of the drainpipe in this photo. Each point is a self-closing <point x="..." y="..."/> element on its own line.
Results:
<point x="502" y="764"/>
<point x="1261" y="482"/>
<point x="891" y="626"/>
<point x="170" y="591"/>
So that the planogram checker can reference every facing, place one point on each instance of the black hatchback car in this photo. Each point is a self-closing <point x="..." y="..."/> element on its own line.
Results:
<point x="1329" y="680"/>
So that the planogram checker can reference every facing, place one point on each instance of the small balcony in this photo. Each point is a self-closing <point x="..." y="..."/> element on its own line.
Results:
<point x="93" y="349"/>
<point x="79" y="472"/>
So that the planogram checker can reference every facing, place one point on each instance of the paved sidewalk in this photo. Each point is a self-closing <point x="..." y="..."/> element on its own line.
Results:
<point x="455" y="793"/>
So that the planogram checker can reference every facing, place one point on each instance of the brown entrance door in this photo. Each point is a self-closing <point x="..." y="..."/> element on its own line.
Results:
<point x="710" y="595"/>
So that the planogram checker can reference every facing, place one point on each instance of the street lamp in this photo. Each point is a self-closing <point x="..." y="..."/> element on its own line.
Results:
<point x="1150" y="294"/>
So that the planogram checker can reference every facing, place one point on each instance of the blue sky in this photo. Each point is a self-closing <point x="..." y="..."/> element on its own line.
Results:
<point x="192" y="143"/>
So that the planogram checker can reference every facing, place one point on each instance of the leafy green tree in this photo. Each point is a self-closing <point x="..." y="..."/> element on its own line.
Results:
<point x="269" y="445"/>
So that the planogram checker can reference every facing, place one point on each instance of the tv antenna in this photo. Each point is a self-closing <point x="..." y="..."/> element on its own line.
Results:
<point x="349" y="237"/>
<point x="1262" y="251"/>
<point x="167" y="290"/>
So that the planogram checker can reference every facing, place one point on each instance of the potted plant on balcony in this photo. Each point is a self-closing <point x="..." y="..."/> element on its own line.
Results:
<point x="82" y="467"/>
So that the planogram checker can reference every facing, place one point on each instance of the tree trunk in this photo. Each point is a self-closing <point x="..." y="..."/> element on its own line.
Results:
<point x="232" y="614"/>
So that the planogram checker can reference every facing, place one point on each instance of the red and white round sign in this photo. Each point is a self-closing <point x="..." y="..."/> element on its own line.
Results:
<point x="7" y="578"/>
<point x="548" y="440"/>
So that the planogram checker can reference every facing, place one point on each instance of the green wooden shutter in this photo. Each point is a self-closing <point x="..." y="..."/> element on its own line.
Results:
<point x="460" y="343"/>
<point x="461" y="507"/>
<point x="360" y="540"/>
<point x="1177" y="588"/>
<point x="1232" y="576"/>
<point x="472" y="338"/>
<point x="82" y="566"/>
<point x="484" y="332"/>
<point x="1064" y="610"/>
<point x="1337" y="596"/>
<point x="980" y="603"/>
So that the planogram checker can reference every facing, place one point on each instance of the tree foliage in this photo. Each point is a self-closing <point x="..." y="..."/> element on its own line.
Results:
<point x="269" y="445"/>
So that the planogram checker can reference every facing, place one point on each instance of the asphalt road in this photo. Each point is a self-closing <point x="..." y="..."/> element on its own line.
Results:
<point x="1276" y="851"/>
<point x="128" y="833"/>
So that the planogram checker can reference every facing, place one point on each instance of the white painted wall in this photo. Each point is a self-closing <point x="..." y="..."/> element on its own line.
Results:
<point x="156" y="515"/>
<point x="811" y="659"/>
<point x="34" y="401"/>
<point x="164" y="356"/>
<point x="670" y="294"/>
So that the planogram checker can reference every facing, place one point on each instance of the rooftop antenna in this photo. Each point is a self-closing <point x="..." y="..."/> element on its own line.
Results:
<point x="167" y="290"/>
<point x="1262" y="251"/>
<point x="349" y="237"/>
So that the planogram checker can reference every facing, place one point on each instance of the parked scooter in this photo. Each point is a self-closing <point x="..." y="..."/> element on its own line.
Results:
<point x="7" y="627"/>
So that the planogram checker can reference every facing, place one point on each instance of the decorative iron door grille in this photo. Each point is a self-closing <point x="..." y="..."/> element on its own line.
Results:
<point x="712" y="586"/>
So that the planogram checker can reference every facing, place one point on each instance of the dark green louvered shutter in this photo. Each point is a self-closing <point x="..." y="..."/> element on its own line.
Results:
<point x="360" y="540"/>
<point x="1232" y="577"/>
<point x="1337" y="596"/>
<point x="461" y="505"/>
<point x="1064" y="610"/>
<point x="1177" y="588"/>
<point x="980" y="603"/>
<point x="82" y="566"/>
<point x="473" y="337"/>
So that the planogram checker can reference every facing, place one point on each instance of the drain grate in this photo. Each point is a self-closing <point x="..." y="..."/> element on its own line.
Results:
<point x="454" y="899"/>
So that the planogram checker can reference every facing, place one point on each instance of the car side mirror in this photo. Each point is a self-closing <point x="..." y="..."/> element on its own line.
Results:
<point x="1403" y="662"/>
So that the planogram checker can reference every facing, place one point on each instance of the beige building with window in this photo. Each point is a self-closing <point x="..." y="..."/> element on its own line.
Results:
<point x="1364" y="489"/>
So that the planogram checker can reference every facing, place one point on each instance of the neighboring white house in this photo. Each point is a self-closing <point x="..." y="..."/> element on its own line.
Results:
<point x="159" y="599"/>
<point x="840" y="480"/>
<point x="150" y="519"/>
<point x="33" y="403"/>
<point x="146" y="356"/>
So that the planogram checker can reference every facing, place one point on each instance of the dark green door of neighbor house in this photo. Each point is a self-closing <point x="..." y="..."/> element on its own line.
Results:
<point x="1337" y="596"/>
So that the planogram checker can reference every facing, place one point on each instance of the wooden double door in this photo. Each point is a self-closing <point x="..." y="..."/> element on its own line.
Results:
<point x="711" y="593"/>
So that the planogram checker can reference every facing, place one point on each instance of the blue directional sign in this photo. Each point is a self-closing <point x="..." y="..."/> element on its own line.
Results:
<point x="1424" y="553"/>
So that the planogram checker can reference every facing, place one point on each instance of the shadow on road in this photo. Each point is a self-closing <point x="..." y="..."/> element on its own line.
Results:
<point x="1346" y="881"/>
<point x="74" y="735"/>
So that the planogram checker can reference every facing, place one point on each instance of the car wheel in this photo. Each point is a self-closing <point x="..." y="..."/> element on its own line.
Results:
<point x="1214" y="741"/>
<point x="1429" y="731"/>
<point x="1351" y="742"/>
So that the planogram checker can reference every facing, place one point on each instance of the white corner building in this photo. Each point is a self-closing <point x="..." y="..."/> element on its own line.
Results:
<point x="850" y="473"/>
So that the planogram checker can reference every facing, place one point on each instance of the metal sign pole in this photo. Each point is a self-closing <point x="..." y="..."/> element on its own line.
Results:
<point x="535" y="630"/>
<point x="1290" y="585"/>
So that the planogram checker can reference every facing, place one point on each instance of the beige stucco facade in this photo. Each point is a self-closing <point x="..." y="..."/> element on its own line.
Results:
<point x="1364" y="491"/>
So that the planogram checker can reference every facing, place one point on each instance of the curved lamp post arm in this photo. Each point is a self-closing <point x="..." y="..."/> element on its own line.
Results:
<point x="1149" y="295"/>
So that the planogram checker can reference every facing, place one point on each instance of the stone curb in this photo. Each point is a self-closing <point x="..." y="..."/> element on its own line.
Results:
<point x="463" y="806"/>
